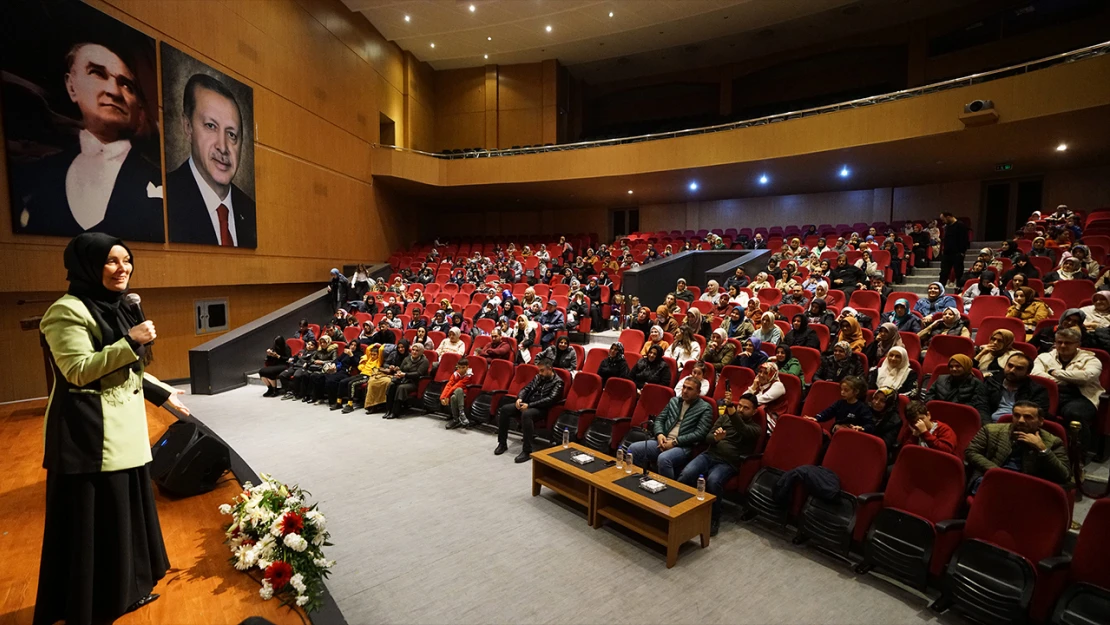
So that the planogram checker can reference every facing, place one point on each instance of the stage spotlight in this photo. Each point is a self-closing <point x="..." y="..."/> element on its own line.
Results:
<point x="845" y="172"/>
<point x="694" y="186"/>
<point x="1062" y="147"/>
<point x="408" y="19"/>
<point x="764" y="179"/>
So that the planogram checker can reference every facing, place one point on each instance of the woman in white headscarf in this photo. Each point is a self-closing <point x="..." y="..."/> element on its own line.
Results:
<point x="761" y="282"/>
<point x="895" y="372"/>
<point x="1098" y="313"/>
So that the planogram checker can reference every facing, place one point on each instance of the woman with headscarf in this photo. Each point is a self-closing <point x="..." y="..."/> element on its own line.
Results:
<point x="819" y="313"/>
<point x="894" y="372"/>
<point x="615" y="365"/>
<point x="851" y="333"/>
<point x="452" y="344"/>
<point x="651" y="369"/>
<point x="762" y="281"/>
<point x="1087" y="265"/>
<point x="842" y="362"/>
<point x="712" y="292"/>
<point x="821" y="290"/>
<point x="525" y="335"/>
<point x="1070" y="269"/>
<point x="1045" y="339"/>
<point x="1040" y="249"/>
<point x="718" y="351"/>
<point x="277" y="361"/>
<point x="885" y="420"/>
<point x="991" y="358"/>
<point x="664" y="318"/>
<point x="800" y="334"/>
<point x="934" y="303"/>
<point x="750" y="355"/>
<point x="423" y="339"/>
<point x="866" y="264"/>
<point x="886" y="338"/>
<point x="890" y="245"/>
<point x="561" y="355"/>
<point x="984" y="286"/>
<point x="1019" y="280"/>
<point x="768" y="332"/>
<point x="959" y="386"/>
<point x="654" y="338"/>
<point x="950" y="323"/>
<point x="642" y="321"/>
<point x="1029" y="309"/>
<point x="102" y="549"/>
<point x="820" y="248"/>
<point x="738" y="326"/>
<point x="1021" y="266"/>
<point x="768" y="389"/>
<point x="786" y="362"/>
<point x="698" y="323"/>
<point x="902" y="318"/>
<point x="754" y="311"/>
<point x="1098" y="312"/>
<point x="684" y="347"/>
<point x="440" y="322"/>
<point x="789" y="279"/>
<point x="796" y="249"/>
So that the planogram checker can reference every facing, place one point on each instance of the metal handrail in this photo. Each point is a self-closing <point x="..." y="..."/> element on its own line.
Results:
<point x="964" y="81"/>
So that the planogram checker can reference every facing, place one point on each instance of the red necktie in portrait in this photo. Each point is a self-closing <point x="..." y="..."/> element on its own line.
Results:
<point x="225" y="231"/>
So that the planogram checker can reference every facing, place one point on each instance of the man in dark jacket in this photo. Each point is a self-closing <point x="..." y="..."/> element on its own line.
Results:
<point x="1019" y="446"/>
<point x="532" y="403"/>
<point x="403" y="384"/>
<point x="1014" y="385"/>
<point x="551" y="321"/>
<point x="738" y="279"/>
<point x="731" y="437"/>
<point x="953" y="246"/>
<point x="683" y="424"/>
<point x="498" y="348"/>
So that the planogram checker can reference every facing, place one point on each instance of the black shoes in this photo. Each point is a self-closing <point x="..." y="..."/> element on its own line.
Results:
<point x="501" y="448"/>
<point x="524" y="456"/>
<point x="348" y="409"/>
<point x="337" y="406"/>
<point x="270" y="392"/>
<point x="452" y="424"/>
<point x="714" y="527"/>
<point x="141" y="602"/>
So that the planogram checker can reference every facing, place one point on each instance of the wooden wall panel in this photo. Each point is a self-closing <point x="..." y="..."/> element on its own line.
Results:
<point x="520" y="86"/>
<point x="519" y="127"/>
<point x="1080" y="189"/>
<point x="460" y="91"/>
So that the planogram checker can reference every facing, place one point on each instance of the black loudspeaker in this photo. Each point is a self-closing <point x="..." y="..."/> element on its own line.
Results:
<point x="187" y="461"/>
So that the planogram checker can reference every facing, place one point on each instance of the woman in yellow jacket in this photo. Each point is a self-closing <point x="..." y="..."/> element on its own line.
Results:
<point x="1029" y="309"/>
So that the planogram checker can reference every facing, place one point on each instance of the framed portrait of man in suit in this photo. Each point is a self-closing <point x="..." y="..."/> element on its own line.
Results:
<point x="80" y="109"/>
<point x="209" y="119"/>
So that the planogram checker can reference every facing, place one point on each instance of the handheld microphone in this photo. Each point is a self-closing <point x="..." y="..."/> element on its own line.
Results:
<point x="133" y="300"/>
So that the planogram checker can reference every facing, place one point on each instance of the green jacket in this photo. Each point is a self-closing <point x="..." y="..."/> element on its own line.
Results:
<point x="694" y="425"/>
<point x="740" y="437"/>
<point x="992" y="445"/>
<point x="95" y="419"/>
<point x="792" y="366"/>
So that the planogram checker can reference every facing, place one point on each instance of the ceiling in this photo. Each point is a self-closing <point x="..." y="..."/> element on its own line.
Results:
<point x="970" y="154"/>
<point x="582" y="32"/>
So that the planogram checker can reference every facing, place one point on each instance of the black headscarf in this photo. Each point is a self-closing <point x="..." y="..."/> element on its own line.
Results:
<point x="281" y="347"/>
<point x="84" y="261"/>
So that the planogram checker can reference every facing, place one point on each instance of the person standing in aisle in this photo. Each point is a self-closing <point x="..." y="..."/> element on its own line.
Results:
<point x="955" y="243"/>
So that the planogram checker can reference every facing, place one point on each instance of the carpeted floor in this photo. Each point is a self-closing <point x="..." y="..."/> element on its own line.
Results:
<point x="430" y="527"/>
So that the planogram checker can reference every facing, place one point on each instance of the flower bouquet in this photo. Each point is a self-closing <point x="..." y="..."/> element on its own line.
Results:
<point x="274" y="531"/>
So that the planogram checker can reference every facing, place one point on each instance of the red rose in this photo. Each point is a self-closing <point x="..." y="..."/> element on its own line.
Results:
<point x="291" y="523"/>
<point x="279" y="573"/>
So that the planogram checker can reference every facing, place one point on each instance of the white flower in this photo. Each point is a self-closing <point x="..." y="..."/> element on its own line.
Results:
<point x="275" y="527"/>
<point x="322" y="563"/>
<point x="245" y="557"/>
<point x="314" y="517"/>
<point x="225" y="509"/>
<point x="264" y="564"/>
<point x="297" y="581"/>
<point x="267" y="591"/>
<point x="295" y="542"/>
<point x="319" y="539"/>
<point x="301" y="600"/>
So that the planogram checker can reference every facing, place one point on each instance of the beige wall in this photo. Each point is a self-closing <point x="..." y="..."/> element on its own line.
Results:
<point x="321" y="75"/>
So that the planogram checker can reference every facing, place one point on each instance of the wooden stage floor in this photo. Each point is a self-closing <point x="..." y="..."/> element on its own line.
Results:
<point x="201" y="587"/>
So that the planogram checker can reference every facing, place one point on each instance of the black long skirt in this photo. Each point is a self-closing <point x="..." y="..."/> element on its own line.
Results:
<point x="102" y="548"/>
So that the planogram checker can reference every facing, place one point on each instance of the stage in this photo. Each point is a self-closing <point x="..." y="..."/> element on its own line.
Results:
<point x="201" y="587"/>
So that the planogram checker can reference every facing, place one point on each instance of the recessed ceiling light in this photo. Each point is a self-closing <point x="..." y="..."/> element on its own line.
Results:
<point x="694" y="185"/>
<point x="845" y="172"/>
<point x="489" y="38"/>
<point x="630" y="191"/>
<point x="764" y="179"/>
<point x="408" y="19"/>
<point x="472" y="9"/>
<point x="610" y="14"/>
<point x="433" y="45"/>
<point x="485" y="56"/>
<point x="1062" y="147"/>
<point x="548" y="29"/>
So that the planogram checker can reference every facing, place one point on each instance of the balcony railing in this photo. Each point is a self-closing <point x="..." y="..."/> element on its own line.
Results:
<point x="965" y="81"/>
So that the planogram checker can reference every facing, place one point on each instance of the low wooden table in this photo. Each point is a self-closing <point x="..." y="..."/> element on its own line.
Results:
<point x="597" y="490"/>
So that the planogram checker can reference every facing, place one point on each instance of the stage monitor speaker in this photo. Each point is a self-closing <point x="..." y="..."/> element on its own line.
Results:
<point x="187" y="461"/>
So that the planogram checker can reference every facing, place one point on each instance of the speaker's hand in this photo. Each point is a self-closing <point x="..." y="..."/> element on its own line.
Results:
<point x="176" y="403"/>
<point x="143" y="333"/>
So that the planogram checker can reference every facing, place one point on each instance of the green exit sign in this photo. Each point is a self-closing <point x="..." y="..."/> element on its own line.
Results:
<point x="1004" y="167"/>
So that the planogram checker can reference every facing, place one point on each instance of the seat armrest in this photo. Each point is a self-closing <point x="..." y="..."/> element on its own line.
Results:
<point x="748" y="457"/>
<point x="470" y="386"/>
<point x="950" y="524"/>
<point x="1054" y="564"/>
<point x="869" y="497"/>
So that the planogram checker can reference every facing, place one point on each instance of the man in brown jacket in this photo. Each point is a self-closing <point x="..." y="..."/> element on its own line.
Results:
<point x="1020" y="445"/>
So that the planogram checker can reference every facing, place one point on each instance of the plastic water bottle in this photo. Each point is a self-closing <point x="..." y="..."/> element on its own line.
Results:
<point x="566" y="438"/>
<point x="620" y="457"/>
<point x="701" y="488"/>
<point x="628" y="462"/>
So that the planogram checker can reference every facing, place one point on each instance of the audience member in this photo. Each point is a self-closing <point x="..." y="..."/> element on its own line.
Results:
<point x="738" y="279"/>
<point x="750" y="354"/>
<point x="922" y="430"/>
<point x="886" y="422"/>
<point x="324" y="384"/>
<point x="732" y="436"/>
<point x="800" y="334"/>
<point x="738" y="326"/>
<point x="347" y="388"/>
<point x="1029" y="309"/>
<point x="886" y="338"/>
<point x="850" y="332"/>
<point x="850" y="411"/>
<point x="664" y="318"/>
<point x="684" y="348"/>
<point x="1098" y="312"/>
<point x="1021" y="445"/>
<point x="839" y="364"/>
<point x="786" y="362"/>
<point x="846" y="277"/>
<point x="934" y="303"/>
<point x="1076" y="372"/>
<point x="682" y="293"/>
<point x="768" y="332"/>
<point x="642" y="321"/>
<point x="651" y="369"/>
<point x="550" y="321"/>
<point x="959" y="385"/>
<point x="403" y="383"/>
<point x="1011" y="386"/>
<point x="819" y="313"/>
<point x="614" y="365"/>
<point x="985" y="286"/>
<point x="304" y="332"/>
<point x="682" y="425"/>
<point x="452" y="344"/>
<point x="496" y="349"/>
<point x="719" y="352"/>
<point x="950" y="324"/>
<point x="991" y="358"/>
<point x="903" y="319"/>
<point x="561" y="355"/>
<point x="768" y="389"/>
<point x="894" y="372"/>
<point x="454" y="394"/>
<point x="654" y="338"/>
<point x="697" y="374"/>
<point x="278" y="359"/>
<point x="531" y="404"/>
